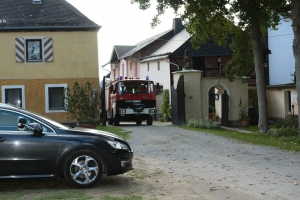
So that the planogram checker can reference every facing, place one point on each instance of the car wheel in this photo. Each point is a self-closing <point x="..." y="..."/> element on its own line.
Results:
<point x="83" y="169"/>
<point x="110" y="120"/>
<point x="150" y="120"/>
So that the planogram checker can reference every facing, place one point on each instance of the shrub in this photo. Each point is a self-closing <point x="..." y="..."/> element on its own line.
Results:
<point x="81" y="104"/>
<point x="284" y="132"/>
<point x="166" y="106"/>
<point x="288" y="121"/>
<point x="202" y="123"/>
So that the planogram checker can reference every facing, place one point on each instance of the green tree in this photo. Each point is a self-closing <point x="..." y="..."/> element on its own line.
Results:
<point x="246" y="21"/>
<point x="294" y="10"/>
<point x="81" y="104"/>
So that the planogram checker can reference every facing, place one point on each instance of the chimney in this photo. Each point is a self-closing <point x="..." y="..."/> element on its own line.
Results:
<point x="177" y="25"/>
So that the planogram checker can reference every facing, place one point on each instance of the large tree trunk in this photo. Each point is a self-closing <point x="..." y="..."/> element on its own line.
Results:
<point x="263" y="125"/>
<point x="296" y="46"/>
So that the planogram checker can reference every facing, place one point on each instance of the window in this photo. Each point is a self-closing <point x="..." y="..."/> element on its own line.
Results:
<point x="135" y="70"/>
<point x="148" y="67"/>
<point x="9" y="121"/>
<point x="34" y="49"/>
<point x="14" y="94"/>
<point x="54" y="97"/>
<point x="158" y="66"/>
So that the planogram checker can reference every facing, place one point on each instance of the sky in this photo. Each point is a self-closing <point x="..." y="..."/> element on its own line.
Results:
<point x="122" y="23"/>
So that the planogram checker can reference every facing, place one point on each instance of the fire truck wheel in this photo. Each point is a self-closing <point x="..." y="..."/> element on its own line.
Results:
<point x="150" y="120"/>
<point x="138" y="121"/>
<point x="116" y="120"/>
<point x="110" y="121"/>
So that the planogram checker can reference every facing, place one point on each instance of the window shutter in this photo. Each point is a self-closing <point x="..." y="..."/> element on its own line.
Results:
<point x="20" y="49"/>
<point x="48" y="51"/>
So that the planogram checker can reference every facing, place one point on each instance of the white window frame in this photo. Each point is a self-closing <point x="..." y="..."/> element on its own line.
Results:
<point x="22" y="87"/>
<point x="47" y="86"/>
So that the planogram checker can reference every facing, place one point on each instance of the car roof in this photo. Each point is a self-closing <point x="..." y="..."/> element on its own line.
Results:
<point x="5" y="105"/>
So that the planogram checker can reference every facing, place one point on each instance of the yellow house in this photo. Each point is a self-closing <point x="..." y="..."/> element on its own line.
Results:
<point x="46" y="46"/>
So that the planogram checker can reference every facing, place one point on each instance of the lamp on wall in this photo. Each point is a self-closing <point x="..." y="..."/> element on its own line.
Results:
<point x="217" y="96"/>
<point x="219" y="59"/>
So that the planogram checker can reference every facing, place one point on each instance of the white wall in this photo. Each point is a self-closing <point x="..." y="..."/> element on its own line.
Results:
<point x="281" y="61"/>
<point x="162" y="76"/>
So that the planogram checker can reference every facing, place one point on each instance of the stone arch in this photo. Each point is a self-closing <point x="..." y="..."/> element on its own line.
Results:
<point x="221" y="87"/>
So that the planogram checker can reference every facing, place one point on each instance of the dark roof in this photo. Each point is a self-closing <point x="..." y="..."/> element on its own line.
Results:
<point x="145" y="43"/>
<point x="207" y="49"/>
<point x="119" y="51"/>
<point x="122" y="50"/>
<point x="48" y="14"/>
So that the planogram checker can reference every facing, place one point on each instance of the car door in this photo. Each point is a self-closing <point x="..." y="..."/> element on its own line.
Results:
<point x="22" y="153"/>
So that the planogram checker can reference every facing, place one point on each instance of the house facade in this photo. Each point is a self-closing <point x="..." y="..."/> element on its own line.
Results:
<point x="281" y="90"/>
<point x="161" y="58"/>
<point x="46" y="46"/>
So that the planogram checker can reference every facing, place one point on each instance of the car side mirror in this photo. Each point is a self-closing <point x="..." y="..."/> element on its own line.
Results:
<point x="21" y="124"/>
<point x="36" y="128"/>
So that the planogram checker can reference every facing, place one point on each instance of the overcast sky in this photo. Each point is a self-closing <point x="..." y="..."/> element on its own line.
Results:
<point x="122" y="23"/>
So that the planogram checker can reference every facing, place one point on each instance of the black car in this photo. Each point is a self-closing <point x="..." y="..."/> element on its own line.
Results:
<point x="33" y="146"/>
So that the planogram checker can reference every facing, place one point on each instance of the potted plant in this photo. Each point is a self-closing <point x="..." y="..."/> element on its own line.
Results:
<point x="166" y="106"/>
<point x="243" y="114"/>
<point x="212" y="109"/>
<point x="82" y="105"/>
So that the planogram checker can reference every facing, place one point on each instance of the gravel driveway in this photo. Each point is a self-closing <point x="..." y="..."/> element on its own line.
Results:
<point x="213" y="167"/>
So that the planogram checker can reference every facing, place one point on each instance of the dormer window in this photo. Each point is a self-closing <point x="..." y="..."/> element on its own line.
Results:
<point x="36" y="1"/>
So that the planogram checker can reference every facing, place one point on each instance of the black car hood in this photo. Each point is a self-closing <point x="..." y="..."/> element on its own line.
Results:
<point x="92" y="132"/>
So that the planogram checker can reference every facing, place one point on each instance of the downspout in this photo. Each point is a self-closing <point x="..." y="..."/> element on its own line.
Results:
<point x="172" y="64"/>
<point x="104" y="66"/>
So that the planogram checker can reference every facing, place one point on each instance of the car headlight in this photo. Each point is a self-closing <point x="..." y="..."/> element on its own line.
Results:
<point x="117" y="145"/>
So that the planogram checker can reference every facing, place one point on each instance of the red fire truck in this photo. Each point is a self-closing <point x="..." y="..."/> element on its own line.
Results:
<point x="131" y="100"/>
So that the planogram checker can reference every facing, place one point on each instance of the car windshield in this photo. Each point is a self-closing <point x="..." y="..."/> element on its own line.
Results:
<point x="132" y="87"/>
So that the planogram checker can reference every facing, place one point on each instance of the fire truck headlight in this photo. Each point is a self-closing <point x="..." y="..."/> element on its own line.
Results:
<point x="151" y="111"/>
<point x="122" y="111"/>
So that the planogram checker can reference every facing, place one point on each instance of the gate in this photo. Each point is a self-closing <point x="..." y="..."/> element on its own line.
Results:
<point x="225" y="109"/>
<point x="178" y="103"/>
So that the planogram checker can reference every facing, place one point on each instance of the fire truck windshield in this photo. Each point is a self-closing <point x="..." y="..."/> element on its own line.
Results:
<point x="131" y="87"/>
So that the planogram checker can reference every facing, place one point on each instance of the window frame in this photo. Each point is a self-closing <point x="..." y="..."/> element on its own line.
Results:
<point x="41" y="50"/>
<point x="47" y="103"/>
<point x="33" y="38"/>
<point x="22" y="87"/>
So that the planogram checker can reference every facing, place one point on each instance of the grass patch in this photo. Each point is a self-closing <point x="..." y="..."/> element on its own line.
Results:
<point x="41" y="194"/>
<point x="69" y="194"/>
<point x="291" y="144"/>
<point x="141" y="173"/>
<point x="115" y="130"/>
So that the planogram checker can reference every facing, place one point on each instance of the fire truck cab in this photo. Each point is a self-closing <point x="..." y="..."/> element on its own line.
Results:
<point x="130" y="100"/>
